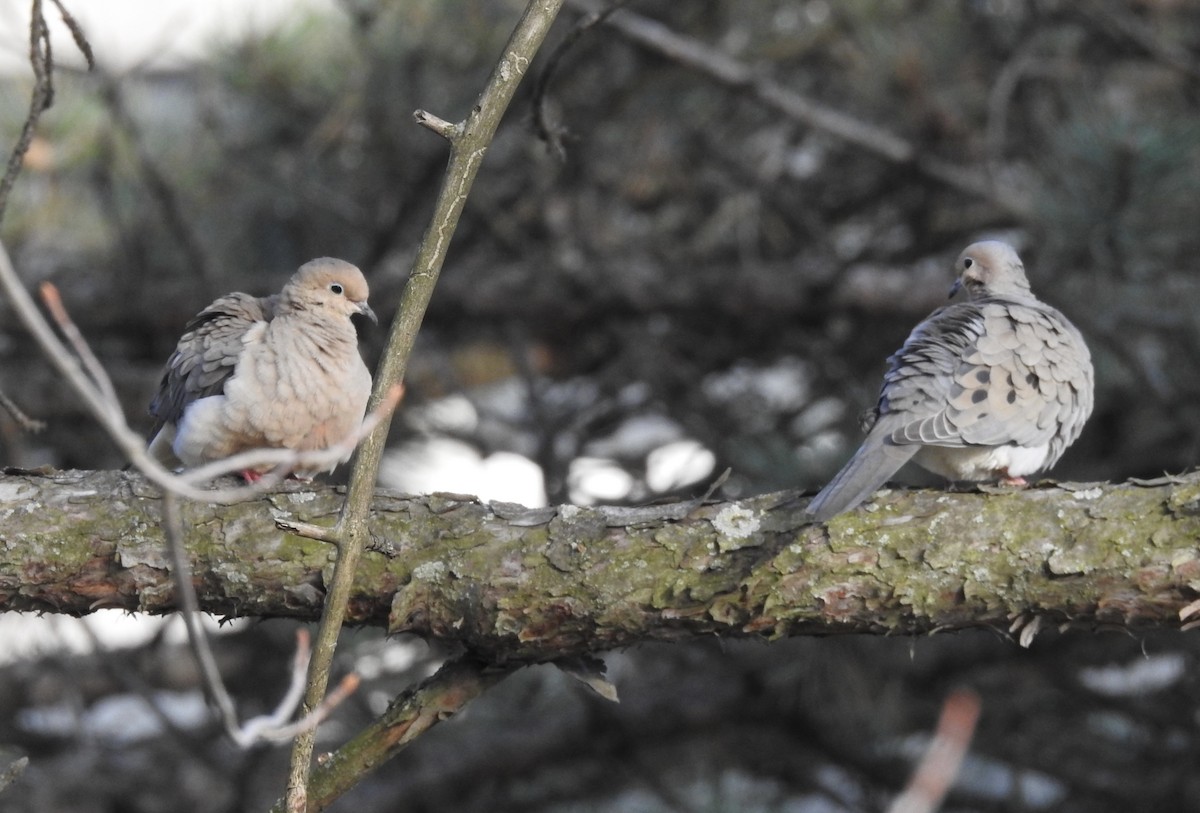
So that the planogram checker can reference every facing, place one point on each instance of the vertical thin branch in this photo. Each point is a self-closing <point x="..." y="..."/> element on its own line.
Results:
<point x="41" y="58"/>
<point x="185" y="597"/>
<point x="551" y="133"/>
<point x="468" y="145"/>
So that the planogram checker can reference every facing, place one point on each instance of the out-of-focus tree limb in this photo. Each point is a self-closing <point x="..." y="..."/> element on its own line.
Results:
<point x="512" y="583"/>
<point x="22" y="420"/>
<point x="710" y="61"/>
<point x="410" y="714"/>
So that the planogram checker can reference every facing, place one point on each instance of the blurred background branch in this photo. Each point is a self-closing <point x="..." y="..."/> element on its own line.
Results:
<point x="706" y="281"/>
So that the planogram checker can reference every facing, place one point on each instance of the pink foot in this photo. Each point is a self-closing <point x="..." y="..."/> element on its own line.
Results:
<point x="251" y="476"/>
<point x="1013" y="481"/>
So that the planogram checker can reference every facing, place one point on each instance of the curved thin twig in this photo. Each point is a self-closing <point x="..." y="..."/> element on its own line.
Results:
<point x="41" y="58"/>
<point x="938" y="769"/>
<point x="552" y="133"/>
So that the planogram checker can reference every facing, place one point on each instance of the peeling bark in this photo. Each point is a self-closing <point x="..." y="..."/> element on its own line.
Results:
<point x="511" y="582"/>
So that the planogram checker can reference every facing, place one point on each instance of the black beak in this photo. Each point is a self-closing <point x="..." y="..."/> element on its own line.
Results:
<point x="366" y="311"/>
<point x="955" y="288"/>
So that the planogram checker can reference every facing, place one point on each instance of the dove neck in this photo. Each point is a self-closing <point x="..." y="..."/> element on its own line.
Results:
<point x="1009" y="293"/>
<point x="304" y="328"/>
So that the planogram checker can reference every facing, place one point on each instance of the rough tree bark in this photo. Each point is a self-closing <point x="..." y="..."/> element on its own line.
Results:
<point x="518" y="584"/>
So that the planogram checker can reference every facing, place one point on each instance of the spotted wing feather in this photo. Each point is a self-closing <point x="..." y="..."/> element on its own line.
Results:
<point x="207" y="354"/>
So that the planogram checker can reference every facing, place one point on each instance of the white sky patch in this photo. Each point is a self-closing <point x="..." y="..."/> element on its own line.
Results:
<point x="678" y="464"/>
<point x="781" y="386"/>
<point x="446" y="464"/>
<point x="592" y="479"/>
<point x="1152" y="673"/>
<point x="120" y="719"/>
<point x="127" y="34"/>
<point x="454" y="413"/>
<point x="820" y="414"/>
<point x="24" y="636"/>
<point x="635" y="436"/>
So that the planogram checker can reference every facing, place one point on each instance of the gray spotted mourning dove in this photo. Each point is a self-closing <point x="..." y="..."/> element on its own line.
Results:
<point x="278" y="372"/>
<point x="993" y="388"/>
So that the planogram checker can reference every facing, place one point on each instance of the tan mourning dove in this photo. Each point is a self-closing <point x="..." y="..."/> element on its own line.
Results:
<point x="278" y="372"/>
<point x="993" y="388"/>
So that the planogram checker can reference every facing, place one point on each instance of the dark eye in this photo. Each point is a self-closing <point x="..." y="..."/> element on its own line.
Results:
<point x="968" y="262"/>
<point x="336" y="288"/>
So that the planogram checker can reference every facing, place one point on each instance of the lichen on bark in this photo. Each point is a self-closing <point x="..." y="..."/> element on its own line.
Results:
<point x="510" y="583"/>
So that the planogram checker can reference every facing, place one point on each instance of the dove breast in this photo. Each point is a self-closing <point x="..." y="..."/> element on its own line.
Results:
<point x="995" y="387"/>
<point x="279" y="372"/>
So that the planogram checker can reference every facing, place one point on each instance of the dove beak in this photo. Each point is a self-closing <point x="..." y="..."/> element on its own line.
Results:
<point x="366" y="311"/>
<point x="955" y="288"/>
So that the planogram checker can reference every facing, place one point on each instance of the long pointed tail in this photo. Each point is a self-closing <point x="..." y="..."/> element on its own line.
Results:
<point x="874" y="462"/>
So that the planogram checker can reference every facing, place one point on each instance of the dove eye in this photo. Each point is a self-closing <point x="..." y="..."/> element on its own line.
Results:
<point x="336" y="288"/>
<point x="968" y="262"/>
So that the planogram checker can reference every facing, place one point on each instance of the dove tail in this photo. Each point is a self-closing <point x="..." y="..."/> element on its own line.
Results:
<point x="872" y="465"/>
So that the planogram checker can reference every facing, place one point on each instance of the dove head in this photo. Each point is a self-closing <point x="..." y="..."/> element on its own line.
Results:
<point x="330" y="286"/>
<point x="990" y="268"/>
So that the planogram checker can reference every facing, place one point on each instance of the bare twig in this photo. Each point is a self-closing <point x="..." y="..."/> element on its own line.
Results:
<point x="95" y="370"/>
<point x="437" y="125"/>
<point x="309" y="531"/>
<point x="26" y="423"/>
<point x="185" y="598"/>
<point x="77" y="34"/>
<point x="267" y="728"/>
<point x="1187" y="612"/>
<point x="275" y="728"/>
<point x="939" y="767"/>
<point x="87" y="377"/>
<point x="552" y="133"/>
<point x="41" y="59"/>
<point x="469" y="141"/>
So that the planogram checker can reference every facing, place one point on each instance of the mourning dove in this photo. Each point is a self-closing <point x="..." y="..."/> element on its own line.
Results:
<point x="993" y="388"/>
<point x="278" y="372"/>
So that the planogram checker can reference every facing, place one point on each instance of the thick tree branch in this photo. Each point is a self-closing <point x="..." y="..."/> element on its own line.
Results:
<point x="518" y="584"/>
<point x="413" y="712"/>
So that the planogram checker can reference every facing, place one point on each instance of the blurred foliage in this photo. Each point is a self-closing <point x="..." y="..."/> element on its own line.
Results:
<point x="697" y="266"/>
<point x="688" y="230"/>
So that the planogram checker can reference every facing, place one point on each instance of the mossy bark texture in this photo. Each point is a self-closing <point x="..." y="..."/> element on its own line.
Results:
<point x="514" y="583"/>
